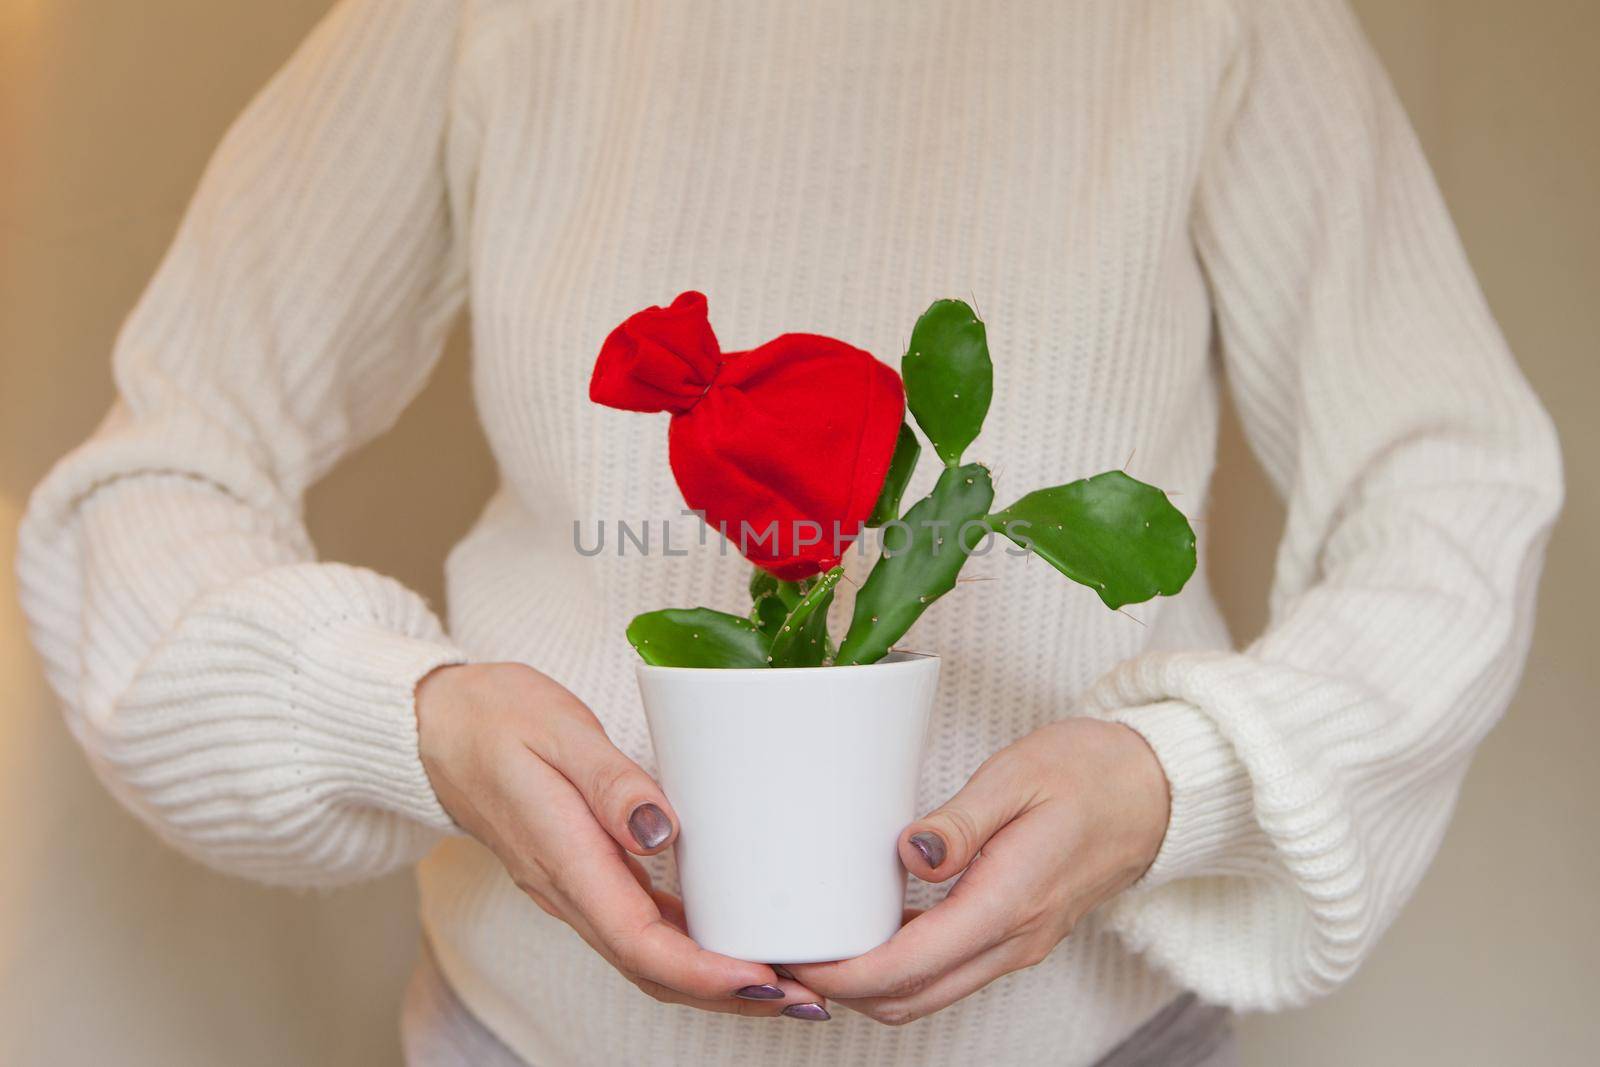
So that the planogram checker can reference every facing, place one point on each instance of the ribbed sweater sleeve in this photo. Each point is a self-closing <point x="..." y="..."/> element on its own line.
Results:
<point x="254" y="705"/>
<point x="1313" y="772"/>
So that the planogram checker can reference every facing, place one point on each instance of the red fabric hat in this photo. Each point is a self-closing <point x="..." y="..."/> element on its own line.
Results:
<point x="764" y="443"/>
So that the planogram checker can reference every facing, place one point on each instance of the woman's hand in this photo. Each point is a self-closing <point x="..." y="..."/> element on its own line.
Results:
<point x="1046" y="830"/>
<point x="523" y="766"/>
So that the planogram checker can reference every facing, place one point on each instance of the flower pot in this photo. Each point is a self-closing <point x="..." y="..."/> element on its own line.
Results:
<point x="791" y="788"/>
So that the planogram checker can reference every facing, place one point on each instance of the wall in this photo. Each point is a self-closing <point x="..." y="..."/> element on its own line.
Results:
<point x="113" y="948"/>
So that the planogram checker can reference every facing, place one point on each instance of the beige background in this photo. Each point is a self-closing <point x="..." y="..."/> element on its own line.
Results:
<point x="113" y="949"/>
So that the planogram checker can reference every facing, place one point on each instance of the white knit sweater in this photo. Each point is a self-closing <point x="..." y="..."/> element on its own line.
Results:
<point x="1139" y="195"/>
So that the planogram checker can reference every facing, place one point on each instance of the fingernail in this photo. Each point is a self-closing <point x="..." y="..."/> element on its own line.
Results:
<point x="649" y="825"/>
<point x="930" y="846"/>
<point x="814" y="1013"/>
<point x="760" y="992"/>
<point x="783" y="972"/>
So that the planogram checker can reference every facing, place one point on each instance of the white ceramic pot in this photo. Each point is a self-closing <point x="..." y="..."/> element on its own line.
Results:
<point x="791" y="787"/>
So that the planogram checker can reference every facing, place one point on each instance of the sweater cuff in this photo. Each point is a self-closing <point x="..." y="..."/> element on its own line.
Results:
<point x="354" y="697"/>
<point x="1212" y="821"/>
<point x="273" y="733"/>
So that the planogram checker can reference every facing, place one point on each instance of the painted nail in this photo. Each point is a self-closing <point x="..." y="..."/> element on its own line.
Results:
<point x="930" y="846"/>
<point x="649" y="825"/>
<point x="815" y="1013"/>
<point x="782" y="971"/>
<point x="760" y="992"/>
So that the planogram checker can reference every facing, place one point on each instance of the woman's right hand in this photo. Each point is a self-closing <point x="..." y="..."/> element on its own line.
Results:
<point x="525" y="767"/>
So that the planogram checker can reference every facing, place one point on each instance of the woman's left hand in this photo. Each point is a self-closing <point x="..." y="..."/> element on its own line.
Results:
<point x="1046" y="830"/>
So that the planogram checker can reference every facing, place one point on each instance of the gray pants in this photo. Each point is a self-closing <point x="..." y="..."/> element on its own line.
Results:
<point x="437" y="1030"/>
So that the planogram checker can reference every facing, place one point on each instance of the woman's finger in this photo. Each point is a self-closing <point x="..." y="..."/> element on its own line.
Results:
<point x="767" y="999"/>
<point x="978" y="914"/>
<point x="582" y="872"/>
<point x="965" y="980"/>
<point x="754" y="999"/>
<point x="942" y="844"/>
<point x="640" y="874"/>
<point x="671" y="909"/>
<point x="624" y="799"/>
<point x="643" y="944"/>
<point x="795" y="992"/>
<point x="796" y="1002"/>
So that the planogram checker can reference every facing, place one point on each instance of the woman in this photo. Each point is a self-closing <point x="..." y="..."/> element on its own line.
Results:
<point x="1124" y="188"/>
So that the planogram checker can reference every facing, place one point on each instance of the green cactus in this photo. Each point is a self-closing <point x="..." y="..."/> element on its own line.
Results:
<point x="1115" y="534"/>
<point x="762" y="583"/>
<point x="922" y="555"/>
<point x="697" y="637"/>
<point x="771" y="600"/>
<point x="802" y="638"/>
<point x="948" y="376"/>
<point x="768" y="615"/>
<point x="906" y="453"/>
